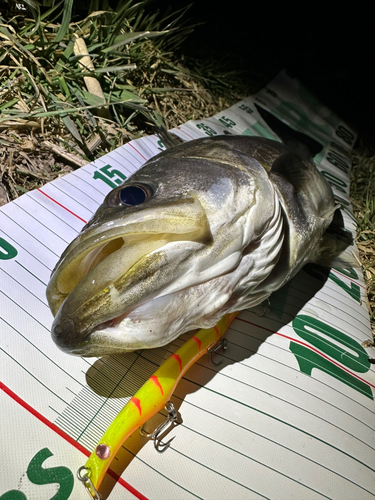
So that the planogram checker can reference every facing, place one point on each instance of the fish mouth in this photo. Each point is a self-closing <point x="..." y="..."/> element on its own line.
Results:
<point x="113" y="267"/>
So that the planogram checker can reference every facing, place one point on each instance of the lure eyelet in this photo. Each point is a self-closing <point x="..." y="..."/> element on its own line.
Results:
<point x="130" y="195"/>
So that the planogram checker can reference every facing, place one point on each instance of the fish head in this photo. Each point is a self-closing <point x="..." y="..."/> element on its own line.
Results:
<point x="147" y="266"/>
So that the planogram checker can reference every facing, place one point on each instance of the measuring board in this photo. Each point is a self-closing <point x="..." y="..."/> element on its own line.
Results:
<point x="289" y="413"/>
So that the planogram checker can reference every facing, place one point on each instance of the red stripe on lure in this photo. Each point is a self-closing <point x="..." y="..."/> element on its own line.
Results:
<point x="176" y="356"/>
<point x="197" y="341"/>
<point x="155" y="380"/>
<point x="137" y="403"/>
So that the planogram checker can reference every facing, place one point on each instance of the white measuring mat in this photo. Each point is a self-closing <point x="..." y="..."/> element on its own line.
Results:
<point x="289" y="414"/>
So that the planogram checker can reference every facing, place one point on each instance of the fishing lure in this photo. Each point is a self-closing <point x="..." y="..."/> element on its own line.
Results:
<point x="149" y="400"/>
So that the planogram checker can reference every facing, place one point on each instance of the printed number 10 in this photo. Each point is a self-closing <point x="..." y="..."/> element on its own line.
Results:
<point x="105" y="174"/>
<point x="346" y="353"/>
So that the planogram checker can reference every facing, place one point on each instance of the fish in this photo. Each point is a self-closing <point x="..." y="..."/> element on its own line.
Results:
<point x="204" y="228"/>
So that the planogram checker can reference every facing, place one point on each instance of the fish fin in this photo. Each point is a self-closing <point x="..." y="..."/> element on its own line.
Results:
<point x="298" y="142"/>
<point x="336" y="246"/>
<point x="292" y="168"/>
<point x="168" y="138"/>
<point x="330" y="212"/>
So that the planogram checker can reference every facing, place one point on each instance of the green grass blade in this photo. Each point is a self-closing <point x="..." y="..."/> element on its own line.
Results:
<point x="50" y="11"/>
<point x="129" y="37"/>
<point x="67" y="14"/>
<point x="91" y="99"/>
<point x="111" y="69"/>
<point x="34" y="7"/>
<point x="126" y="102"/>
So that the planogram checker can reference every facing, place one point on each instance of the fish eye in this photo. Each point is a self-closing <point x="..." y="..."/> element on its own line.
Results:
<point x="131" y="195"/>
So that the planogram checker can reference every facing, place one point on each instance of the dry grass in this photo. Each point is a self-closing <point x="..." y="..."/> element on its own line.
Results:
<point x="363" y="201"/>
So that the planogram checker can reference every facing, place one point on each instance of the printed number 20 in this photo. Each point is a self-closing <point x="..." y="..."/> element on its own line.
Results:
<point x="105" y="174"/>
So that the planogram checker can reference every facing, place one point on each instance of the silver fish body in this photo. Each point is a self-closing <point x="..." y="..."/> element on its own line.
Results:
<point x="211" y="226"/>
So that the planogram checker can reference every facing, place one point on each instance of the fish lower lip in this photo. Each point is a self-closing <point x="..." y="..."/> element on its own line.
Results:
<point x="68" y="338"/>
<point x="64" y="335"/>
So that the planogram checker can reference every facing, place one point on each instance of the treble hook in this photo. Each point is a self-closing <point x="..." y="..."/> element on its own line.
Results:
<point x="160" y="447"/>
<point x="213" y="348"/>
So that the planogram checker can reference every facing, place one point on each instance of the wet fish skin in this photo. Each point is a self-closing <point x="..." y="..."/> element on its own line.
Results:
<point x="226" y="221"/>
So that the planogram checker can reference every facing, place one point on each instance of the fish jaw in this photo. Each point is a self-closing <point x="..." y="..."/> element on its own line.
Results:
<point x="155" y="322"/>
<point x="104" y="272"/>
<point x="161" y="319"/>
<point x="184" y="220"/>
<point x="98" y="307"/>
<point x="188" y="293"/>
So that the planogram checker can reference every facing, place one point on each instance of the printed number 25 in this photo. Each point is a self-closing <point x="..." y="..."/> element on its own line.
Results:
<point x="105" y="174"/>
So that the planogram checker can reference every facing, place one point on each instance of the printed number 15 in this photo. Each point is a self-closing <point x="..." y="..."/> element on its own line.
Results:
<point x="105" y="174"/>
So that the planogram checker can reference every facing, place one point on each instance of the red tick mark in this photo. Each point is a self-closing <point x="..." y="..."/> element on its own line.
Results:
<point x="135" y="149"/>
<point x="62" y="206"/>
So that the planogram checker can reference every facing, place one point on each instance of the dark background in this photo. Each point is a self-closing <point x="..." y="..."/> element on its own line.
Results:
<point x="330" y="49"/>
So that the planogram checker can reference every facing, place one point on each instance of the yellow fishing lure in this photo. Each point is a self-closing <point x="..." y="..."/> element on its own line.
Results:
<point x="149" y="399"/>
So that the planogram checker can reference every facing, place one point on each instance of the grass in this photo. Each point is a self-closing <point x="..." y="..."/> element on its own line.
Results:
<point x="58" y="74"/>
<point x="363" y="201"/>
<point x="71" y="91"/>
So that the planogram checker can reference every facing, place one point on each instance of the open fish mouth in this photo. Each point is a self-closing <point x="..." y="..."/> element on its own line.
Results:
<point x="113" y="268"/>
